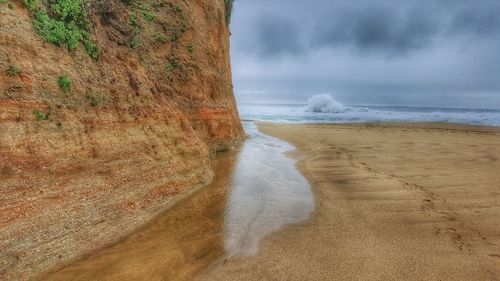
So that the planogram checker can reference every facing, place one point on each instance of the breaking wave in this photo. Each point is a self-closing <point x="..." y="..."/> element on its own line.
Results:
<point x="323" y="108"/>
<point x="324" y="103"/>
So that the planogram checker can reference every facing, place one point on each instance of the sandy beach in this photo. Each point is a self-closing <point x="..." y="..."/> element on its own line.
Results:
<point x="233" y="140"/>
<point x="393" y="202"/>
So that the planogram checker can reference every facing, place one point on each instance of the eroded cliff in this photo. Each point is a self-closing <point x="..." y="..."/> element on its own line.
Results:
<point x="106" y="125"/>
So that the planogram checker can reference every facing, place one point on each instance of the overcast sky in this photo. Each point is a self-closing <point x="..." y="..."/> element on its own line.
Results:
<point x="390" y="52"/>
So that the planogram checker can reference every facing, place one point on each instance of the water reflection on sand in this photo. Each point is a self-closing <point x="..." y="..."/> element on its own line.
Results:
<point x="266" y="193"/>
<point x="255" y="192"/>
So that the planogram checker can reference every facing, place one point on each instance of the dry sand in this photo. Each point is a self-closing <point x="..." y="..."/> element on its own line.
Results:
<point x="393" y="202"/>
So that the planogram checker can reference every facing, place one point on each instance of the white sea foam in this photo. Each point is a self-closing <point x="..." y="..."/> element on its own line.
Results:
<point x="323" y="110"/>
<point x="324" y="103"/>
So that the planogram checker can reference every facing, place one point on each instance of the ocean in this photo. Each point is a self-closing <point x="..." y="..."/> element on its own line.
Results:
<point x="325" y="110"/>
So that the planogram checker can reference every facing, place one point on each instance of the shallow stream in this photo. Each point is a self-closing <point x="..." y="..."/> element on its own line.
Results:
<point x="256" y="191"/>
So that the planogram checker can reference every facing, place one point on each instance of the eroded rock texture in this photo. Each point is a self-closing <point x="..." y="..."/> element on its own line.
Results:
<point x="136" y="130"/>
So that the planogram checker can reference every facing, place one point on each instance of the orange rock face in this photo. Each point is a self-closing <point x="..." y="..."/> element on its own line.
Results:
<point x="135" y="132"/>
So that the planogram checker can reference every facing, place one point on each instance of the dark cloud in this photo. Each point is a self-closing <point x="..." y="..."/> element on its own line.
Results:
<point x="481" y="19"/>
<point x="377" y="28"/>
<point x="277" y="35"/>
<point x="445" y="50"/>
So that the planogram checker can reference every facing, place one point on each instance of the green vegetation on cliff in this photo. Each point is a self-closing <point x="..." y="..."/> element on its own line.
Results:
<point x="10" y="5"/>
<point x="66" y="22"/>
<point x="13" y="71"/>
<point x="63" y="23"/>
<point x="229" y="10"/>
<point x="64" y="83"/>
<point x="40" y="115"/>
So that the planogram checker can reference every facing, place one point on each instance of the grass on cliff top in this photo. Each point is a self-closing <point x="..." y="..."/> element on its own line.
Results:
<point x="63" y="23"/>
<point x="229" y="10"/>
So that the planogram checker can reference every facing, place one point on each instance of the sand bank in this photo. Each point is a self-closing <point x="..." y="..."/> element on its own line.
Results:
<point x="393" y="202"/>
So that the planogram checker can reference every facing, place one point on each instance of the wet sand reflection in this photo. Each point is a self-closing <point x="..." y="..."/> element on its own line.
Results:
<point x="255" y="192"/>
<point x="175" y="246"/>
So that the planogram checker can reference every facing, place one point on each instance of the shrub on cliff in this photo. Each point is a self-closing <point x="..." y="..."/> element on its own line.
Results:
<point x="91" y="49"/>
<point x="190" y="47"/>
<point x="9" y="4"/>
<point x="64" y="23"/>
<point x="68" y="9"/>
<point x="64" y="83"/>
<point x="31" y="4"/>
<point x="57" y="32"/>
<point x="229" y="9"/>
<point x="13" y="71"/>
<point x="134" y="43"/>
<point x="40" y="115"/>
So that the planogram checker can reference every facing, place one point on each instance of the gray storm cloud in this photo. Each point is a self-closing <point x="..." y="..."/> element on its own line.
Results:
<point x="278" y="35"/>
<point x="378" y="28"/>
<point x="443" y="53"/>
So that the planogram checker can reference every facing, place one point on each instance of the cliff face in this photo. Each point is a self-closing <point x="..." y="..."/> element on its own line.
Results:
<point x="97" y="138"/>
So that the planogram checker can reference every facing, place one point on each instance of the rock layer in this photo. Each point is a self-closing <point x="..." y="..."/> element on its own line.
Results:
<point x="135" y="132"/>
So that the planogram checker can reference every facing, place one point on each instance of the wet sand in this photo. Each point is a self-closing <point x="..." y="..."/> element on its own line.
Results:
<point x="256" y="191"/>
<point x="393" y="202"/>
<point x="174" y="246"/>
